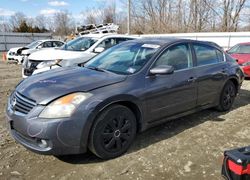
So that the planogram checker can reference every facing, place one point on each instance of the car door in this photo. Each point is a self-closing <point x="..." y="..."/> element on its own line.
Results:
<point x="211" y="73"/>
<point x="167" y="95"/>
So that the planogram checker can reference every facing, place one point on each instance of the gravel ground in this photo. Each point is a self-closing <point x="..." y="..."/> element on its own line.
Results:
<point x="187" y="148"/>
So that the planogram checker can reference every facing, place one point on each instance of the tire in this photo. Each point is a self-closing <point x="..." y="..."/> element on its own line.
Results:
<point x="113" y="132"/>
<point x="227" y="97"/>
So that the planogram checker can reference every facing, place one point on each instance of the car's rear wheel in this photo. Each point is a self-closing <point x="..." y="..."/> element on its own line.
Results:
<point x="227" y="96"/>
<point x="113" y="132"/>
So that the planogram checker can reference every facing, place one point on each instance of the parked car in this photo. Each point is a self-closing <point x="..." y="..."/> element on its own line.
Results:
<point x="120" y="92"/>
<point x="72" y="53"/>
<point x="241" y="52"/>
<point x="17" y="54"/>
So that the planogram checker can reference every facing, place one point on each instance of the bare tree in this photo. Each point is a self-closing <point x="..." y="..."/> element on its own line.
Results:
<point x="230" y="17"/>
<point x="108" y="14"/>
<point x="41" y="21"/>
<point x="16" y="20"/>
<point x="5" y="27"/>
<point x="91" y="17"/>
<point x="63" y="23"/>
<point x="152" y="16"/>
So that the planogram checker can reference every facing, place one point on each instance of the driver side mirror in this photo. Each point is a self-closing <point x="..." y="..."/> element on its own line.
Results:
<point x="162" y="70"/>
<point x="99" y="49"/>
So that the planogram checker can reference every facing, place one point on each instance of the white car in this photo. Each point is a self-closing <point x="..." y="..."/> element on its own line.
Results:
<point x="19" y="53"/>
<point x="72" y="53"/>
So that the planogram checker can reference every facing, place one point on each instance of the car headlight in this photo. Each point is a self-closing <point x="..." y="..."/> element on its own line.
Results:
<point x="11" y="53"/>
<point x="48" y="63"/>
<point x="64" y="106"/>
<point x="246" y="64"/>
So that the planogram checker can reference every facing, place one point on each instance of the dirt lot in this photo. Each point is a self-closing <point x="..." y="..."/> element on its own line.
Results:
<point x="188" y="148"/>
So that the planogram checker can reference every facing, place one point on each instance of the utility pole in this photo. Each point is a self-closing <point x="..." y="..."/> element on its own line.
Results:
<point x="128" y="30"/>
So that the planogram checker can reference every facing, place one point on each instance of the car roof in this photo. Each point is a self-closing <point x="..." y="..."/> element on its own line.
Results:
<point x="44" y="40"/>
<point x="168" y="40"/>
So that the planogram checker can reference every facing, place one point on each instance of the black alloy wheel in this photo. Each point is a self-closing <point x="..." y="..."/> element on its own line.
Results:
<point x="227" y="96"/>
<point x="113" y="132"/>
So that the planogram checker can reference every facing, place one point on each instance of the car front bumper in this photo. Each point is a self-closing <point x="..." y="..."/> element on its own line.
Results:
<point x="19" y="58"/>
<point x="49" y="136"/>
<point x="10" y="57"/>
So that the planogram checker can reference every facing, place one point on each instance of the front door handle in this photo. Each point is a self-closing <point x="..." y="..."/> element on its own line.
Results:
<point x="192" y="79"/>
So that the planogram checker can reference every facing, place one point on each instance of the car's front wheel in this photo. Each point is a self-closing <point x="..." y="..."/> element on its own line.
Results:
<point x="227" y="96"/>
<point x="113" y="132"/>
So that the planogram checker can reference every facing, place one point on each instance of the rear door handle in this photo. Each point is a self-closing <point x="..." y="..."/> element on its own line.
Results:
<point x="192" y="79"/>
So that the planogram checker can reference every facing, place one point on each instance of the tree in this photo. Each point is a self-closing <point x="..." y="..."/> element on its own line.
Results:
<point x="63" y="22"/>
<point x="40" y="21"/>
<point x="17" y="19"/>
<point x="91" y="16"/>
<point x="109" y="13"/>
<point x="231" y="14"/>
<point x="5" y="27"/>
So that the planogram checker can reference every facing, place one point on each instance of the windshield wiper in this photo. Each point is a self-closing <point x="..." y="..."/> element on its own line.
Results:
<point x="96" y="68"/>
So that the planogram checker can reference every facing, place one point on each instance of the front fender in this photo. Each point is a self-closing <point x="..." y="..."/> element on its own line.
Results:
<point x="96" y="106"/>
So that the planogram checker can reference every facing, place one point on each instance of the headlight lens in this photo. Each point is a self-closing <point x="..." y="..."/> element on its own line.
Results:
<point x="64" y="106"/>
<point x="11" y="53"/>
<point x="246" y="64"/>
<point x="48" y="63"/>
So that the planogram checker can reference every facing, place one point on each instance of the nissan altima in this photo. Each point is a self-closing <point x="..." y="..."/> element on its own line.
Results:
<point x="123" y="91"/>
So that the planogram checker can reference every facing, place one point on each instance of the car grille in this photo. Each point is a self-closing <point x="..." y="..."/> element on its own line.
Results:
<point x="22" y="104"/>
<point x="31" y="67"/>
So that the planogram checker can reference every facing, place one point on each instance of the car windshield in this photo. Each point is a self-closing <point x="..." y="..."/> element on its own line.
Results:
<point x="79" y="44"/>
<point x="33" y="44"/>
<point x="240" y="49"/>
<point x="126" y="58"/>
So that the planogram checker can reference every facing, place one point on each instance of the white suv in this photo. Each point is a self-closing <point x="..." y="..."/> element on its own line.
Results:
<point x="72" y="53"/>
<point x="19" y="53"/>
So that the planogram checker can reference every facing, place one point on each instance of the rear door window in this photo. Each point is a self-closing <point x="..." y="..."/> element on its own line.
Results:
<point x="206" y="55"/>
<point x="57" y="44"/>
<point x="107" y="43"/>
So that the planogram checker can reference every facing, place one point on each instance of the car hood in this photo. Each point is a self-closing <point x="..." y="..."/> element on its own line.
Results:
<point x="14" y="49"/>
<point x="242" y="58"/>
<point x="28" y="51"/>
<point x="45" y="87"/>
<point x="54" y="54"/>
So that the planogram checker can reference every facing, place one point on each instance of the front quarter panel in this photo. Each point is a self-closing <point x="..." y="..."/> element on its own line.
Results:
<point x="103" y="98"/>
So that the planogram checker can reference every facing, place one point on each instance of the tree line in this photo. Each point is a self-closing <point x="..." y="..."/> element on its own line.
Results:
<point x="147" y="16"/>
